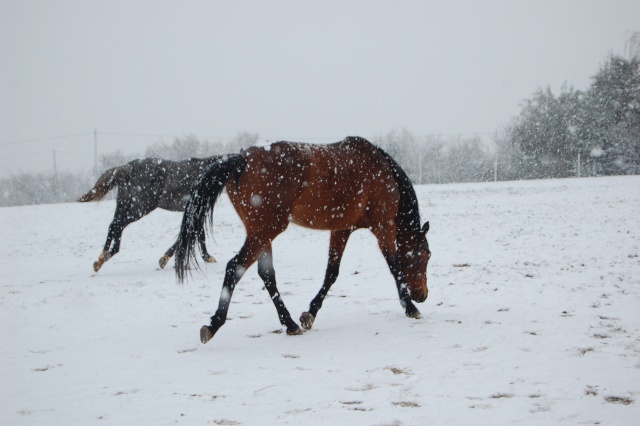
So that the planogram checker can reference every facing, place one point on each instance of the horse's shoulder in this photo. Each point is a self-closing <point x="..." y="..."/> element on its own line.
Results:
<point x="275" y="149"/>
<point x="148" y="162"/>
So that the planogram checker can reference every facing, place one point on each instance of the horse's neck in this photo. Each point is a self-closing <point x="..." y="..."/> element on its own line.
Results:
<point x="406" y="238"/>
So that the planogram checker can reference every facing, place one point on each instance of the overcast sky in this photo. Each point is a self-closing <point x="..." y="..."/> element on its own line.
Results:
<point x="294" y="70"/>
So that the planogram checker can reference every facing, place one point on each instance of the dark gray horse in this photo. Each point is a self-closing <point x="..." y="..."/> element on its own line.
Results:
<point x="144" y="185"/>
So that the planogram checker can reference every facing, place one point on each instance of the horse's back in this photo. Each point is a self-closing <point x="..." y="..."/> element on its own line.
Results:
<point x="349" y="186"/>
<point x="177" y="179"/>
<point x="335" y="186"/>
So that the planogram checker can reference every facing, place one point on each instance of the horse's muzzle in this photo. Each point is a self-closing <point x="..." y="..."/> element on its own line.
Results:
<point x="419" y="296"/>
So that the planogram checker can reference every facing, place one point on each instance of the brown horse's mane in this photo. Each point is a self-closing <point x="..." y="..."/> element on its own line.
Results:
<point x="408" y="216"/>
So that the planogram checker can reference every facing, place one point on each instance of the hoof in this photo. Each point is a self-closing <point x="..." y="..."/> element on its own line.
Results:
<point x="163" y="261"/>
<point x="414" y="315"/>
<point x="306" y="319"/>
<point x="205" y="334"/>
<point x="295" y="331"/>
<point x="209" y="259"/>
<point x="96" y="266"/>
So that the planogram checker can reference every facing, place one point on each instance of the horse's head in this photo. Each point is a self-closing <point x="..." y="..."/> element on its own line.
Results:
<point x="414" y="263"/>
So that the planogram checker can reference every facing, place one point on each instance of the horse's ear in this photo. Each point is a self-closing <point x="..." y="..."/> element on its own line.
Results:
<point x="425" y="228"/>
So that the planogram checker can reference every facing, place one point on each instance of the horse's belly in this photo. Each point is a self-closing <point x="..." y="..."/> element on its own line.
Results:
<point x="333" y="216"/>
<point x="321" y="222"/>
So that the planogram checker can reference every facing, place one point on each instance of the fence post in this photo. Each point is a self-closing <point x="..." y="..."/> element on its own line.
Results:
<point x="578" y="164"/>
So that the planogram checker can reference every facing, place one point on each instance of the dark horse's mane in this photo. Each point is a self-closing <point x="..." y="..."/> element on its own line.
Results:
<point x="408" y="216"/>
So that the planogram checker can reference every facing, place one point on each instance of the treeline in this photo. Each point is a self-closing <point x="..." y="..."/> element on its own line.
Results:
<point x="55" y="187"/>
<point x="591" y="132"/>
<point x="575" y="133"/>
<point x="437" y="159"/>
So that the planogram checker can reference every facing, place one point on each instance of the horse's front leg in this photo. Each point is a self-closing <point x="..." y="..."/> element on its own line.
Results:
<point x="401" y="283"/>
<point x="337" y="244"/>
<point x="387" y="241"/>
<point x="268" y="275"/>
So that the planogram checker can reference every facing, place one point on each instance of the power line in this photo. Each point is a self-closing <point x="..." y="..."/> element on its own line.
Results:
<point x="147" y="135"/>
<point x="44" y="139"/>
<point x="151" y="135"/>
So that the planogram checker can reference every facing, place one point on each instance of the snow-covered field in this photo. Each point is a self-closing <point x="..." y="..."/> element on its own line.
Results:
<point x="533" y="318"/>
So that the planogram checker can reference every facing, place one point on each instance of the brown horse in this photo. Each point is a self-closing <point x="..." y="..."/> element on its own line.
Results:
<point x="143" y="186"/>
<point x="339" y="187"/>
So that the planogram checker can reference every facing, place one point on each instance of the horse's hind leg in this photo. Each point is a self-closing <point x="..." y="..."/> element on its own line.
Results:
<point x="104" y="256"/>
<point x="268" y="275"/>
<point x="337" y="244"/>
<point x="203" y="249"/>
<point x="168" y="255"/>
<point x="236" y="268"/>
<point x="124" y="216"/>
<point x="114" y="235"/>
<point x="253" y="248"/>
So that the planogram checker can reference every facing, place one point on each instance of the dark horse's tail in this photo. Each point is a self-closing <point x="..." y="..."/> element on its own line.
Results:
<point x="199" y="208"/>
<point x="109" y="179"/>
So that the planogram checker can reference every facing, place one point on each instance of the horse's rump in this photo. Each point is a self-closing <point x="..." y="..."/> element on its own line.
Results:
<point x="106" y="182"/>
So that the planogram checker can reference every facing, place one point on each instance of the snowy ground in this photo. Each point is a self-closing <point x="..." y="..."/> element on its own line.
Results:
<point x="533" y="318"/>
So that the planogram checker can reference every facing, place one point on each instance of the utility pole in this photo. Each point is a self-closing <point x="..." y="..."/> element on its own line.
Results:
<point x="55" y="174"/>
<point x="95" y="151"/>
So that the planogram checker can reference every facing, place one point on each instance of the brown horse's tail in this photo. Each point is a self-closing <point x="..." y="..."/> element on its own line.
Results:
<point x="199" y="208"/>
<point x="105" y="183"/>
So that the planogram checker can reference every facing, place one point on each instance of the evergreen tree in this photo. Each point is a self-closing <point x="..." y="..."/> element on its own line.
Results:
<point x="545" y="133"/>
<point x="610" y="121"/>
